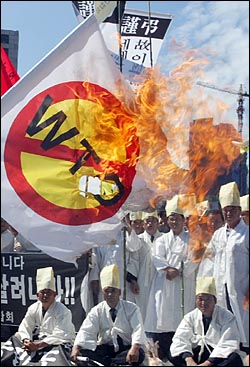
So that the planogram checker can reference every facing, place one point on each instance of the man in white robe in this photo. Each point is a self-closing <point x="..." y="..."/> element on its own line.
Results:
<point x="208" y="335"/>
<point x="46" y="325"/>
<point x="173" y="286"/>
<point x="140" y="266"/>
<point x="229" y="252"/>
<point x="91" y="292"/>
<point x="113" y="331"/>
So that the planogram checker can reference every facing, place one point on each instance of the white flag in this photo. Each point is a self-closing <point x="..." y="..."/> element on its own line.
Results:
<point x="64" y="131"/>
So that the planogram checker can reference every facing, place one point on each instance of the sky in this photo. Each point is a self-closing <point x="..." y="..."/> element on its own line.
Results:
<point x="220" y="29"/>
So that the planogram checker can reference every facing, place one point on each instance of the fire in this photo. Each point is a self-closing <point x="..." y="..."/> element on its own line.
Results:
<point x="180" y="154"/>
<point x="180" y="150"/>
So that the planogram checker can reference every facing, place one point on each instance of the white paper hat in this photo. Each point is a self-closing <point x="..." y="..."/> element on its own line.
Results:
<point x="229" y="195"/>
<point x="244" y="203"/>
<point x="135" y="215"/>
<point x="45" y="279"/>
<point x="205" y="285"/>
<point x="146" y="215"/>
<point x="110" y="276"/>
<point x="173" y="206"/>
<point x="202" y="208"/>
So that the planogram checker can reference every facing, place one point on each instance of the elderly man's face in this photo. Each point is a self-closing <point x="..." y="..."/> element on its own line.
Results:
<point x="205" y="303"/>
<point x="47" y="297"/>
<point x="176" y="222"/>
<point x="232" y="215"/>
<point x="111" y="296"/>
<point x="150" y="225"/>
<point x="137" y="225"/>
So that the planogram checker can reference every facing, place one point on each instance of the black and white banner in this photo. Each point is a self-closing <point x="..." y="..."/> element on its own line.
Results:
<point x="142" y="35"/>
<point x="18" y="287"/>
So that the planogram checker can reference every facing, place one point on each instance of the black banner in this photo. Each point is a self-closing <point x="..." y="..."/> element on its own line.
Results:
<point x="18" y="287"/>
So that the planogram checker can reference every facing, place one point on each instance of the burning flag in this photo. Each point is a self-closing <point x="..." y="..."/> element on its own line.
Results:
<point x="73" y="125"/>
<point x="64" y="122"/>
<point x="9" y="75"/>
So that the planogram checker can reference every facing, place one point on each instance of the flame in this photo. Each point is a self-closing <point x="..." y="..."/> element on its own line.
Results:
<point x="179" y="154"/>
<point x="181" y="151"/>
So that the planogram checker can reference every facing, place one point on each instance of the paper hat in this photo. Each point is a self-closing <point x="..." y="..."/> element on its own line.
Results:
<point x="110" y="276"/>
<point x="146" y="215"/>
<point x="229" y="195"/>
<point x="173" y="206"/>
<point x="45" y="279"/>
<point x="206" y="285"/>
<point x="202" y="208"/>
<point x="244" y="203"/>
<point x="135" y="215"/>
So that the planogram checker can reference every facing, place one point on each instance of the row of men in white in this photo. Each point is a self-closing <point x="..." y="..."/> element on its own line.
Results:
<point x="164" y="270"/>
<point x="113" y="331"/>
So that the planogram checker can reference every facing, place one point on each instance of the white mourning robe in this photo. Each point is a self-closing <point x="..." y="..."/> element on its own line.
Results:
<point x="230" y="256"/>
<point x="7" y="241"/>
<point x="222" y="334"/>
<point x="107" y="255"/>
<point x="165" y="305"/>
<point x="98" y="327"/>
<point x="140" y="264"/>
<point x="56" y="325"/>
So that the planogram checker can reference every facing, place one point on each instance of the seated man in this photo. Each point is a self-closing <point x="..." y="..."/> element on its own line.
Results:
<point x="46" y="326"/>
<point x="112" y="333"/>
<point x="208" y="335"/>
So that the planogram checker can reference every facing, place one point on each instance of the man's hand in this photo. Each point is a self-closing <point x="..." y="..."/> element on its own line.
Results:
<point x="206" y="363"/>
<point x="134" y="287"/>
<point x="133" y="354"/>
<point x="190" y="361"/>
<point x="75" y="352"/>
<point x="30" y="346"/>
<point x="171" y="273"/>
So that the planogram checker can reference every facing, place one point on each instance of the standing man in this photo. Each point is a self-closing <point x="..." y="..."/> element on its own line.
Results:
<point x="229" y="251"/>
<point x="113" y="332"/>
<point x="173" y="287"/>
<point x="140" y="266"/>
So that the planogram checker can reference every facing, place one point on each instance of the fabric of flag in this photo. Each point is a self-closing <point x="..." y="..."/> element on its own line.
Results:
<point x="9" y="75"/>
<point x="63" y="124"/>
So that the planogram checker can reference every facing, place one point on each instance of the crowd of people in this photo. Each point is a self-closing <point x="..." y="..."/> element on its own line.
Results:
<point x="182" y="286"/>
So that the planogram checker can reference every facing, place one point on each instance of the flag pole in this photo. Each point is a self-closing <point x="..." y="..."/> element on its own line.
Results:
<point x="150" y="38"/>
<point x="124" y="228"/>
<point x="182" y="289"/>
<point x="120" y="33"/>
<point x="124" y="263"/>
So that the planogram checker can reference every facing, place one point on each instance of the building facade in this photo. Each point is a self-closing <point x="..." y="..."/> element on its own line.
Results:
<point x="9" y="41"/>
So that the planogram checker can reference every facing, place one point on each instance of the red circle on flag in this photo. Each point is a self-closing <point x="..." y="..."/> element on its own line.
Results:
<point x="24" y="148"/>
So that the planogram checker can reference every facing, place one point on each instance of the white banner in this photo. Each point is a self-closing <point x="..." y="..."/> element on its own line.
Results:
<point x="142" y="36"/>
<point x="140" y="42"/>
